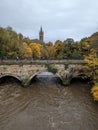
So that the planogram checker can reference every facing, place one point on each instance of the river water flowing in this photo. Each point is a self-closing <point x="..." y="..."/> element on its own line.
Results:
<point x="47" y="106"/>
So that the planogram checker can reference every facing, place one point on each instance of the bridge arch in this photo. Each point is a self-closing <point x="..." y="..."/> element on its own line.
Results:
<point x="9" y="78"/>
<point x="80" y="78"/>
<point x="33" y="77"/>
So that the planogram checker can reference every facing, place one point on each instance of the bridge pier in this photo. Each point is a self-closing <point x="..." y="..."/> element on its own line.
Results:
<point x="25" y="82"/>
<point x="66" y="80"/>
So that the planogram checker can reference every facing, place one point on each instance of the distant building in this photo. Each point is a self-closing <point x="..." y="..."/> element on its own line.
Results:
<point x="41" y="35"/>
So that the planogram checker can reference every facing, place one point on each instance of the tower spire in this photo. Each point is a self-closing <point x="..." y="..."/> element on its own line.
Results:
<point x="41" y="30"/>
<point x="41" y="35"/>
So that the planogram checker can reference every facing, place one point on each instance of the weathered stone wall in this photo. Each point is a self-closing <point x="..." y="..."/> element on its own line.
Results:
<point x="28" y="71"/>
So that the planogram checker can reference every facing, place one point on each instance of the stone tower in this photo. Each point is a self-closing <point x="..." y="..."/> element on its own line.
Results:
<point x="41" y="35"/>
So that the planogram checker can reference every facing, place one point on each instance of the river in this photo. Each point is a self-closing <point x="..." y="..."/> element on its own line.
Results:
<point x="47" y="106"/>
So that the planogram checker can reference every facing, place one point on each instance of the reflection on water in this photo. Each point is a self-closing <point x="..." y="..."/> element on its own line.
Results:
<point x="44" y="106"/>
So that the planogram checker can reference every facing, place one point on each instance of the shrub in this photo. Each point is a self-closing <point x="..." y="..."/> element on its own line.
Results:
<point x="52" y="69"/>
<point x="94" y="92"/>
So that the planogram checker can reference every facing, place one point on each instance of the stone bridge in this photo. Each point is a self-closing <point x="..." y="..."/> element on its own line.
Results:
<point x="25" y="70"/>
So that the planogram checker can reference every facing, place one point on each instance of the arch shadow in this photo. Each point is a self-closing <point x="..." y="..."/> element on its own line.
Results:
<point x="82" y="78"/>
<point x="9" y="79"/>
<point x="39" y="78"/>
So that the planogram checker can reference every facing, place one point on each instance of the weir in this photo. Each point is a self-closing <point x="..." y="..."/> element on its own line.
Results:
<point x="25" y="71"/>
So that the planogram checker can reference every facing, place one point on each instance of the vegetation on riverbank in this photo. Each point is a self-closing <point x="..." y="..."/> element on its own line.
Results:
<point x="92" y="70"/>
<point x="94" y="92"/>
<point x="51" y="68"/>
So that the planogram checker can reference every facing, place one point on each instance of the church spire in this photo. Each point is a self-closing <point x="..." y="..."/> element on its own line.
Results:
<point x="41" y="35"/>
<point x="41" y="30"/>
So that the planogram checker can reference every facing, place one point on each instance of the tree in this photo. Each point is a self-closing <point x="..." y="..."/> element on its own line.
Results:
<point x="92" y="65"/>
<point x="26" y="51"/>
<point x="36" y="50"/>
<point x="92" y="71"/>
<point x="2" y="42"/>
<point x="94" y="92"/>
<point x="50" y="50"/>
<point x="59" y="49"/>
<point x="85" y="47"/>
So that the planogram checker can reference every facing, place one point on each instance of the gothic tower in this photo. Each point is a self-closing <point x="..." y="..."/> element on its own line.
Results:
<point x="41" y="35"/>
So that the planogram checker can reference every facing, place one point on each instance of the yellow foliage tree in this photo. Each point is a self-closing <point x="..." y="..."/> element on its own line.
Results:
<point x="29" y="52"/>
<point x="50" y="50"/>
<point x="85" y="45"/>
<point x="26" y="51"/>
<point x="92" y="64"/>
<point x="92" y="71"/>
<point x="36" y="50"/>
<point x="94" y="92"/>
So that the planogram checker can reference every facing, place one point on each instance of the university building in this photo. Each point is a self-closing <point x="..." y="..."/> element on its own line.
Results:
<point x="41" y="37"/>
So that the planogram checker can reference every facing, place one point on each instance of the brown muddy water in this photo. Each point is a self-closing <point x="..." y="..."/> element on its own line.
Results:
<point x="44" y="106"/>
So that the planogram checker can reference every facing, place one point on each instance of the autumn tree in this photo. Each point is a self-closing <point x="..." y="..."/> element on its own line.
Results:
<point x="59" y="49"/>
<point x="68" y="49"/>
<point x="92" y="65"/>
<point x="94" y="92"/>
<point x="26" y="51"/>
<point x="8" y="42"/>
<point x="50" y="50"/>
<point x="92" y="71"/>
<point x="36" y="50"/>
<point x="76" y="51"/>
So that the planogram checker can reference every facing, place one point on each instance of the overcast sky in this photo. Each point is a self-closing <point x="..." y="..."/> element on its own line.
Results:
<point x="60" y="19"/>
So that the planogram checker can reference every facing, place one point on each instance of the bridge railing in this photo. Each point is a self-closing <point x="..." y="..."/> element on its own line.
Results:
<point x="41" y="61"/>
